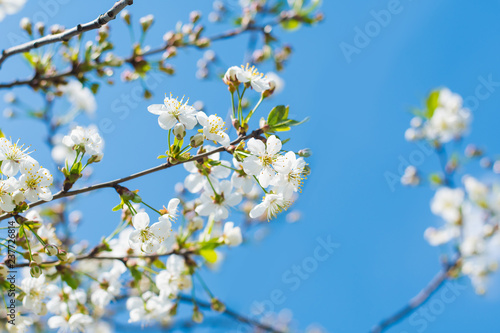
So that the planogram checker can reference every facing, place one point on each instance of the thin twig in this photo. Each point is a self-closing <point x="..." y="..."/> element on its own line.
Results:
<point x="114" y="183"/>
<point x="93" y="256"/>
<point x="231" y="313"/>
<point x="35" y="80"/>
<point x="67" y="34"/>
<point x="423" y="296"/>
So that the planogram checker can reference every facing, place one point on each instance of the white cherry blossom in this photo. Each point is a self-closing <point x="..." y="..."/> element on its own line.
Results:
<point x="172" y="209"/>
<point x="231" y="234"/>
<point x="77" y="322"/>
<point x="262" y="159"/>
<point x="290" y="173"/>
<point x="446" y="203"/>
<point x="218" y="202"/>
<point x="197" y="179"/>
<point x="37" y="291"/>
<point x="251" y="75"/>
<point x="35" y="181"/>
<point x="79" y="96"/>
<point x="271" y="206"/>
<point x="86" y="138"/>
<point x="174" y="278"/>
<point x="11" y="156"/>
<point x="173" y="111"/>
<point x="149" y="238"/>
<point x="213" y="128"/>
<point x="7" y="188"/>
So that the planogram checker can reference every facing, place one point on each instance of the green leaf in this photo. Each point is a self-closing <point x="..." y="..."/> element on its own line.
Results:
<point x="432" y="103"/>
<point x="70" y="280"/>
<point x="286" y="124"/>
<point x="94" y="87"/>
<point x="136" y="274"/>
<point x="159" y="264"/>
<point x="277" y="114"/>
<point x="435" y="179"/>
<point x="118" y="207"/>
<point x="291" y="25"/>
<point x="209" y="255"/>
<point x="21" y="232"/>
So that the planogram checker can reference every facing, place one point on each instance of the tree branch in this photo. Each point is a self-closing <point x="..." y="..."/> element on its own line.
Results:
<point x="424" y="295"/>
<point x="64" y="36"/>
<point x="35" y="80"/>
<point x="92" y="255"/>
<point x="230" y="313"/>
<point x="114" y="183"/>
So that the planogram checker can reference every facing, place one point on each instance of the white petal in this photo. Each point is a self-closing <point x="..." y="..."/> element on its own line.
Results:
<point x="140" y="220"/>
<point x="256" y="147"/>
<point x="157" y="108"/>
<point x="166" y="121"/>
<point x="273" y="145"/>
<point x="258" y="210"/>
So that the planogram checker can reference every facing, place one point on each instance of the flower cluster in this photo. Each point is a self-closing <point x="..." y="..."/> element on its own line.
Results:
<point x="146" y="263"/>
<point x="76" y="292"/>
<point x="469" y="210"/>
<point x="445" y="118"/>
<point x="284" y="173"/>
<point x="85" y="140"/>
<point x="33" y="183"/>
<point x="471" y="216"/>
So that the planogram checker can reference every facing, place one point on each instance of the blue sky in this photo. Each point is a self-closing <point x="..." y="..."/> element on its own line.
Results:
<point x="359" y="109"/>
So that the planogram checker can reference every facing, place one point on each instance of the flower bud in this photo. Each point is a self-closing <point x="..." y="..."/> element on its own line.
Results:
<point x="63" y="255"/>
<point x="473" y="151"/>
<point x="35" y="270"/>
<point x="196" y="140"/>
<point x="170" y="52"/>
<point x="25" y="24"/>
<point x="236" y="123"/>
<point x="230" y="77"/>
<point x="9" y="98"/>
<point x="125" y="15"/>
<point x="305" y="152"/>
<point x="203" y="42"/>
<point x="146" y="22"/>
<point x="40" y="27"/>
<point x="37" y="258"/>
<point x="95" y="158"/>
<point x="70" y="258"/>
<point x="217" y="305"/>
<point x="270" y="91"/>
<point x="197" y="315"/>
<point x="56" y="28"/>
<point x="194" y="16"/>
<point x="179" y="131"/>
<point x="51" y="249"/>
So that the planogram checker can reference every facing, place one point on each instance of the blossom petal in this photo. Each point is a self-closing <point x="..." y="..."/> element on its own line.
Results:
<point x="140" y="220"/>
<point x="157" y="109"/>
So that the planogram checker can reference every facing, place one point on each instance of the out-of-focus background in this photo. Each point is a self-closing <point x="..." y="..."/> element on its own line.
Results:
<point x="358" y="93"/>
